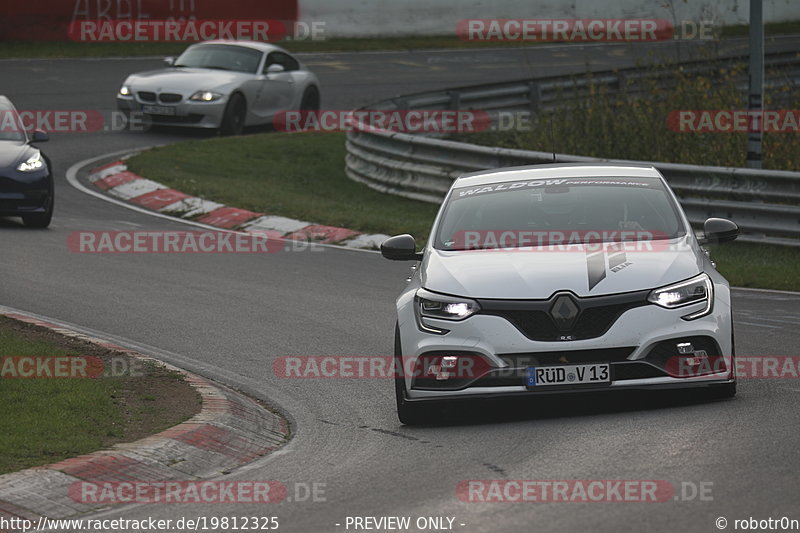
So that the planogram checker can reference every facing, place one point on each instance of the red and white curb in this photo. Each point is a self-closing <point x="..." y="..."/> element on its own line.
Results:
<point x="115" y="179"/>
<point x="229" y="431"/>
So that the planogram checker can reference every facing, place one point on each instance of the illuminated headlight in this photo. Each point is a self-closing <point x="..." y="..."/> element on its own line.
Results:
<point x="431" y="305"/>
<point x="205" y="96"/>
<point x="696" y="290"/>
<point x="124" y="91"/>
<point x="34" y="162"/>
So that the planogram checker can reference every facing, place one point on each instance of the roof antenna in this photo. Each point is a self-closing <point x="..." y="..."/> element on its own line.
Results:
<point x="552" y="138"/>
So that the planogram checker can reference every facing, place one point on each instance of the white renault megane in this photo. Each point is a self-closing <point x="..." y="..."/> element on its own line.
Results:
<point x="560" y="278"/>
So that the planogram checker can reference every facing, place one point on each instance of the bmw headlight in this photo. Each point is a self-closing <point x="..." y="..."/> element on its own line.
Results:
<point x="696" y="290"/>
<point x="34" y="162"/>
<point x="124" y="91"/>
<point x="431" y="305"/>
<point x="205" y="96"/>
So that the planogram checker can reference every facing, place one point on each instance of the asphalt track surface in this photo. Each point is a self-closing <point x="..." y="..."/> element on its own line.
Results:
<point x="228" y="316"/>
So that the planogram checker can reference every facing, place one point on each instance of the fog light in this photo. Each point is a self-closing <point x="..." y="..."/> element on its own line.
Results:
<point x="685" y="348"/>
<point x="698" y="358"/>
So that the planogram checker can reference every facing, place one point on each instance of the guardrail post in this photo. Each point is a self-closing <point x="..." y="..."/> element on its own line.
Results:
<point x="534" y="96"/>
<point x="455" y="100"/>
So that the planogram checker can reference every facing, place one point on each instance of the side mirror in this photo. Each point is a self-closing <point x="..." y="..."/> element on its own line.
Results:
<point x="39" y="136"/>
<point x="400" y="248"/>
<point x="719" y="230"/>
<point x="275" y="68"/>
<point x="169" y="61"/>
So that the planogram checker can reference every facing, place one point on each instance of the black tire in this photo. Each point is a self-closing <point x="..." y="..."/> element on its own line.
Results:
<point x="40" y="220"/>
<point x="727" y="390"/>
<point x="410" y="414"/>
<point x="234" y="117"/>
<point x="721" y="392"/>
<point x="310" y="100"/>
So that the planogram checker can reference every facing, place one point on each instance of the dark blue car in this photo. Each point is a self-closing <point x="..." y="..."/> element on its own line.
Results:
<point x="26" y="178"/>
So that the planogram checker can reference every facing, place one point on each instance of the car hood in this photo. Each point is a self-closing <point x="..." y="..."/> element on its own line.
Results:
<point x="185" y="79"/>
<point x="13" y="152"/>
<point x="536" y="274"/>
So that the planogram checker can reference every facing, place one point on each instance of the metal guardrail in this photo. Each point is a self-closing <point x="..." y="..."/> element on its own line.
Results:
<point x="765" y="203"/>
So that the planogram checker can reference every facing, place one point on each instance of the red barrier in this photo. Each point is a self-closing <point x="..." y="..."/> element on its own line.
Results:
<point x="49" y="20"/>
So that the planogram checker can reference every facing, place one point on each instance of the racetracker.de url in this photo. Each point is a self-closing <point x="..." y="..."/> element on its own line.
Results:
<point x="198" y="523"/>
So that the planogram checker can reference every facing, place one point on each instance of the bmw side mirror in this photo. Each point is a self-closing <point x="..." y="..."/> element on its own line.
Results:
<point x="400" y="248"/>
<point x="719" y="230"/>
<point x="169" y="61"/>
<point x="39" y="136"/>
<point x="275" y="68"/>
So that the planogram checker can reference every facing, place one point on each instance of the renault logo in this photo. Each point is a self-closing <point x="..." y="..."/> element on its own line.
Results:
<point x="564" y="312"/>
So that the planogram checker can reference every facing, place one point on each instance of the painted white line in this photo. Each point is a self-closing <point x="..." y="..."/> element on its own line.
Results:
<point x="756" y="324"/>
<point x="774" y="291"/>
<point x="72" y="179"/>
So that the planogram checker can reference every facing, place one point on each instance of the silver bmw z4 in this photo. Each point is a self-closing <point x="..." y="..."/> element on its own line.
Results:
<point x="224" y="85"/>
<point x="560" y="279"/>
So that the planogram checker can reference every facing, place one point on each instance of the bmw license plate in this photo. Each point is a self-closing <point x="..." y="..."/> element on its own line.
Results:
<point x="158" y="110"/>
<point x="544" y="376"/>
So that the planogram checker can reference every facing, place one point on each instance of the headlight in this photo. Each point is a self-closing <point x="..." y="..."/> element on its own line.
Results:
<point x="431" y="305"/>
<point x="205" y="96"/>
<point x="696" y="290"/>
<point x="124" y="91"/>
<point x="34" y="162"/>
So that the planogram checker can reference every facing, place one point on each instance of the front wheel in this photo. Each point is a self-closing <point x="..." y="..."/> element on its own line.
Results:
<point x="234" y="117"/>
<point x="410" y="414"/>
<point x="310" y="100"/>
<point x="39" y="220"/>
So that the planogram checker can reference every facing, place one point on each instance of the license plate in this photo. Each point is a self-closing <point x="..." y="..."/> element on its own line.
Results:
<point x="545" y="376"/>
<point x="158" y="110"/>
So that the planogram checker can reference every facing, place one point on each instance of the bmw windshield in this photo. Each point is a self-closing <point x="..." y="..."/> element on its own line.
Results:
<point x="221" y="57"/>
<point x="557" y="211"/>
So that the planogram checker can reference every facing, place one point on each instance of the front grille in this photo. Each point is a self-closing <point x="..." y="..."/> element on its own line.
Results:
<point x="26" y="204"/>
<point x="147" y="96"/>
<point x="633" y="370"/>
<point x="169" y="98"/>
<point x="193" y="118"/>
<point x="604" y="355"/>
<point x="595" y="315"/>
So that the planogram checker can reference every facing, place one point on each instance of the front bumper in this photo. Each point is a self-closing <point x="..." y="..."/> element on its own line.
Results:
<point x="639" y="346"/>
<point x="25" y="193"/>
<point x="185" y="113"/>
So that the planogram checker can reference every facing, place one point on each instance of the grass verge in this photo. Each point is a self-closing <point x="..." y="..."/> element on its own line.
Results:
<point x="24" y="49"/>
<point x="297" y="175"/>
<point x="46" y="420"/>
<point x="758" y="266"/>
<point x="302" y="176"/>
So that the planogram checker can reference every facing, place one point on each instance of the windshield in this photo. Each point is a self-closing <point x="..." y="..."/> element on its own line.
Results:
<point x="11" y="128"/>
<point x="221" y="57"/>
<point x="557" y="211"/>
